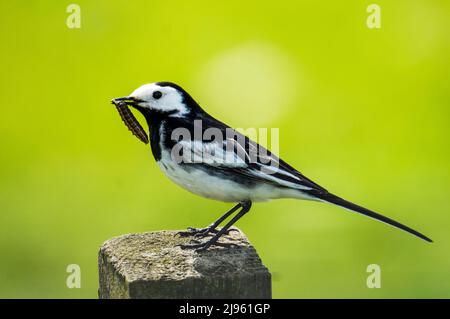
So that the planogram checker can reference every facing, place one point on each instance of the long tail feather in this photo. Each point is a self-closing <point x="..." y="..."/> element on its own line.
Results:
<point x="333" y="199"/>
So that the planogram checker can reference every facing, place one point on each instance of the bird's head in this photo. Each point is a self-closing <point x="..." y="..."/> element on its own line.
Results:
<point x="164" y="98"/>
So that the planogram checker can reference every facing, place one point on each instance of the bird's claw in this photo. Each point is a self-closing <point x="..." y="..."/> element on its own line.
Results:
<point x="196" y="232"/>
<point x="205" y="233"/>
<point x="201" y="232"/>
<point x="191" y="232"/>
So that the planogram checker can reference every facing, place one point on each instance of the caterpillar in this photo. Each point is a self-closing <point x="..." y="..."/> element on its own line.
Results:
<point x="130" y="121"/>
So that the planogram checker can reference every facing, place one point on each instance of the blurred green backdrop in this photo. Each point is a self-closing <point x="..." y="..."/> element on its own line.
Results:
<point x="364" y="112"/>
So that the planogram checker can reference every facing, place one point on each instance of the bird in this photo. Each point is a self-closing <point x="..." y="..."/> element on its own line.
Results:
<point x="230" y="167"/>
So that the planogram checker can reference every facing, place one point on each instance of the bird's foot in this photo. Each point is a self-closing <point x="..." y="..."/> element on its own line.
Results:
<point x="197" y="232"/>
<point x="202" y="232"/>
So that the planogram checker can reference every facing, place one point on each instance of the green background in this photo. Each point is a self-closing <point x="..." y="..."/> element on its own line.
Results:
<point x="363" y="112"/>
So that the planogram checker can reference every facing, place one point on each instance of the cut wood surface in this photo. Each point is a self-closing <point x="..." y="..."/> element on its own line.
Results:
<point x="152" y="265"/>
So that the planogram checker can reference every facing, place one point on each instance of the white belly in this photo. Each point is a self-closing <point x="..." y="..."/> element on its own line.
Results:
<point x="200" y="183"/>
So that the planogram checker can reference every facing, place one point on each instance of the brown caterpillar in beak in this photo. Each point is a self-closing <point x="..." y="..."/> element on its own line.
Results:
<point x="130" y="121"/>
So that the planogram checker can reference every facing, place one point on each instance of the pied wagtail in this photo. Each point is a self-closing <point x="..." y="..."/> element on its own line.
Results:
<point x="234" y="169"/>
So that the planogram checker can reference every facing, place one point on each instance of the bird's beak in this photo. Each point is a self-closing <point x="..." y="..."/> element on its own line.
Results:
<point x="129" y="100"/>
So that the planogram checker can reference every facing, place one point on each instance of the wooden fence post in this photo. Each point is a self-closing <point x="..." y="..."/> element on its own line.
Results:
<point x="152" y="265"/>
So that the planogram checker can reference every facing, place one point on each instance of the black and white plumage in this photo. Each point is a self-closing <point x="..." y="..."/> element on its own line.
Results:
<point x="227" y="172"/>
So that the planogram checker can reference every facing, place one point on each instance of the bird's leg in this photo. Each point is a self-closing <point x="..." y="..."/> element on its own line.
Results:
<point x="246" y="205"/>
<point x="202" y="232"/>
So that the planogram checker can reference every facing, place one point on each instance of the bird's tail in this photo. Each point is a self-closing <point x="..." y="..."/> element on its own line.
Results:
<point x="333" y="199"/>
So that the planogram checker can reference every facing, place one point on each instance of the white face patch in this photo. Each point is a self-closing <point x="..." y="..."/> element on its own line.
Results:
<point x="168" y="100"/>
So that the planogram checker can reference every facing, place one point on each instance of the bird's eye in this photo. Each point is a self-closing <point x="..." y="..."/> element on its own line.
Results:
<point x="157" y="94"/>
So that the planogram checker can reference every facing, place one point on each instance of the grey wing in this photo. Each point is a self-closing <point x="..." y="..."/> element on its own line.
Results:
<point x="270" y="167"/>
<point x="239" y="157"/>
